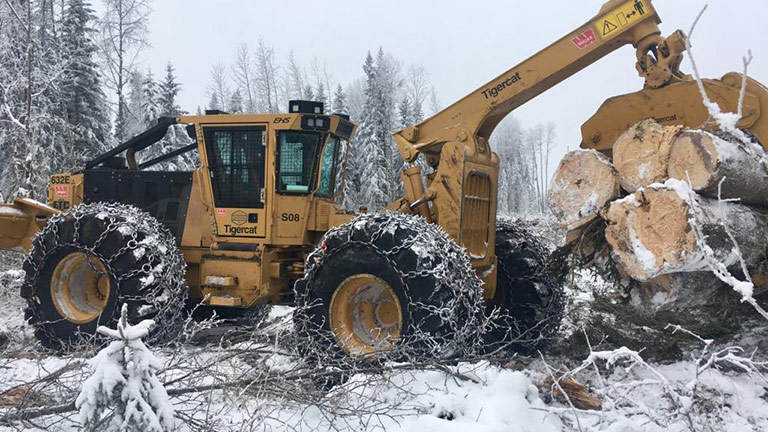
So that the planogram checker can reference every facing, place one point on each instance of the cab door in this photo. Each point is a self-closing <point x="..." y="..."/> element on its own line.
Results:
<point x="236" y="157"/>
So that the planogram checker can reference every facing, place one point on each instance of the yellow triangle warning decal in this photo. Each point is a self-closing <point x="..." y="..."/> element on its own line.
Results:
<point x="608" y="27"/>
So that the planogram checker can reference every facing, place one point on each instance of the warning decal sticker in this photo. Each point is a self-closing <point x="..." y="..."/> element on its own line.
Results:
<point x="611" y="23"/>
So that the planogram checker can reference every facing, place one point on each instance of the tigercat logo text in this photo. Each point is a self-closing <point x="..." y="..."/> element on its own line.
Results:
<point x="237" y="230"/>
<point x="666" y="119"/>
<point x="495" y="91"/>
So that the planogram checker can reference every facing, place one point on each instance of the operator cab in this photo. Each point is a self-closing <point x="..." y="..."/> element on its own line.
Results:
<point x="273" y="178"/>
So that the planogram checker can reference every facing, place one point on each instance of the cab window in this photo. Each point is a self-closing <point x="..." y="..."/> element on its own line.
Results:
<point x="328" y="167"/>
<point x="297" y="155"/>
<point x="236" y="160"/>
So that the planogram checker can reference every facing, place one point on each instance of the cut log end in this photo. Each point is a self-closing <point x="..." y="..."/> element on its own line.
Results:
<point x="584" y="183"/>
<point x="720" y="168"/>
<point x="649" y="231"/>
<point x="641" y="154"/>
<point x="570" y="390"/>
<point x="694" y="158"/>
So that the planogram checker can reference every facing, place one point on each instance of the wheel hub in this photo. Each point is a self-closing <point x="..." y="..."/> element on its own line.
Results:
<point x="365" y="315"/>
<point x="80" y="287"/>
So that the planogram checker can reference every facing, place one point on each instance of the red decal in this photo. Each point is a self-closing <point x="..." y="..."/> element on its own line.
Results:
<point x="585" y="39"/>
<point x="62" y="191"/>
<point x="221" y="212"/>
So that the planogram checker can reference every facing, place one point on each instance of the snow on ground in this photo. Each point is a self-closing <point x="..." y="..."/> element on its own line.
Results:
<point x="470" y="397"/>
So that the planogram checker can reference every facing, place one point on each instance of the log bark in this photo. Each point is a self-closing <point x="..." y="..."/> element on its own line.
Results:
<point x="706" y="160"/>
<point x="616" y="323"/>
<point x="641" y="154"/>
<point x="678" y="291"/>
<point x="650" y="231"/>
<point x="584" y="184"/>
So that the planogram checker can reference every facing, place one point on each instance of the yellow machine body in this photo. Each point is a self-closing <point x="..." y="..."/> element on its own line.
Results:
<point x="236" y="255"/>
<point x="241" y="255"/>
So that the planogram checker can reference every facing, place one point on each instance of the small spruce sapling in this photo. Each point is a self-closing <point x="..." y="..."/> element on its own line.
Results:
<point x="123" y="393"/>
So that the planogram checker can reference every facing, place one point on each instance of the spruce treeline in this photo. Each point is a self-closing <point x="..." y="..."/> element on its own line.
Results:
<point x="61" y="80"/>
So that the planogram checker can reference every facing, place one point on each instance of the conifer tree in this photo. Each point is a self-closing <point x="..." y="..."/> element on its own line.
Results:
<point x="353" y="197"/>
<point x="405" y="110"/>
<point x="81" y="86"/>
<point x="168" y="91"/>
<point x="340" y="101"/>
<point x="213" y="102"/>
<point x="151" y="100"/>
<point x="123" y="392"/>
<point x="308" y="93"/>
<point x="235" y="103"/>
<point x="320" y="96"/>
<point x="166" y="105"/>
<point x="374" y="192"/>
<point x="36" y="137"/>
<point x="136" y="118"/>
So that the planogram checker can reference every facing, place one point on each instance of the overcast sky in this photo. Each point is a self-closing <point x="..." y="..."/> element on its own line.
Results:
<point x="462" y="44"/>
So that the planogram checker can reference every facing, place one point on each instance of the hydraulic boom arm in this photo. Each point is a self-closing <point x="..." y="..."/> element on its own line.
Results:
<point x="619" y="23"/>
<point x="463" y="189"/>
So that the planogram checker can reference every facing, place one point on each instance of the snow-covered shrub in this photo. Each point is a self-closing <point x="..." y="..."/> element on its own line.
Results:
<point x="123" y="393"/>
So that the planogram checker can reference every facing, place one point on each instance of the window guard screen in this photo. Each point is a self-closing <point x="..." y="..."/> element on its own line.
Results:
<point x="236" y="158"/>
<point x="297" y="156"/>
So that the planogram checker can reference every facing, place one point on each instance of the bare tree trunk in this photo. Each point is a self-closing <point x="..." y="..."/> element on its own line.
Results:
<point x="123" y="37"/>
<point x="30" y="53"/>
<point x="532" y="143"/>
<point x="550" y="142"/>
<point x="30" y="88"/>
<point x="243" y="71"/>
<point x="120" y="123"/>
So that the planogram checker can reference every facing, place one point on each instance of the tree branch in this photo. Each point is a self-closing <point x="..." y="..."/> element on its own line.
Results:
<point x="17" y="15"/>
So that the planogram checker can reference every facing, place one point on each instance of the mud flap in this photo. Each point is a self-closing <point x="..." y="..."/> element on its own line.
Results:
<point x="20" y="221"/>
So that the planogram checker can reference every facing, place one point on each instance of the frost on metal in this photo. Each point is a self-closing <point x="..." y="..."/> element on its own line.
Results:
<point x="123" y="392"/>
<point x="454" y="307"/>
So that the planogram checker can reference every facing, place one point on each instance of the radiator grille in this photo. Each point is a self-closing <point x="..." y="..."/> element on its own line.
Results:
<point x="475" y="218"/>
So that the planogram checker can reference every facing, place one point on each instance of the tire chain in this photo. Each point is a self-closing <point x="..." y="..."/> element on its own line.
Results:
<point x="163" y="280"/>
<point x="444" y="260"/>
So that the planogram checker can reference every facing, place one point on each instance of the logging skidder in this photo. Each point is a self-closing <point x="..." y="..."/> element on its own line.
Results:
<point x="257" y="222"/>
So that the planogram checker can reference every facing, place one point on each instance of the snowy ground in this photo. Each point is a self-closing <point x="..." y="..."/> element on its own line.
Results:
<point x="241" y="379"/>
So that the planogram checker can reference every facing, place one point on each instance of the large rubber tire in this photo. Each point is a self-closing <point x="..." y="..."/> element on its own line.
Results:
<point x="140" y="258"/>
<point x="437" y="291"/>
<point x="529" y="302"/>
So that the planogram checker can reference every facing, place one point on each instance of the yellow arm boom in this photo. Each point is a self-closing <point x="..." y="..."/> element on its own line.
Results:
<point x="20" y="222"/>
<point x="463" y="189"/>
<point x="620" y="22"/>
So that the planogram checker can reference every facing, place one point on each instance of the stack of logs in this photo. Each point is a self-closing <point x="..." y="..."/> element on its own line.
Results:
<point x="664" y="187"/>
